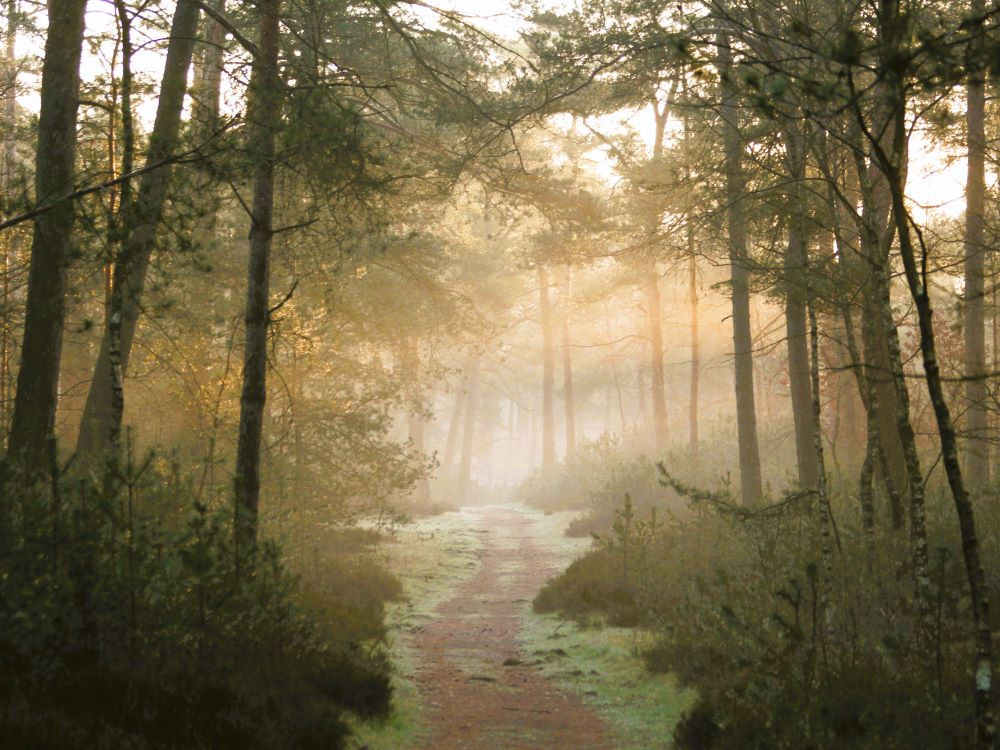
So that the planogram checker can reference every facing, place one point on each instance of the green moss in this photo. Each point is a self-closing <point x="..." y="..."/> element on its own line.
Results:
<point x="602" y="666"/>
<point x="432" y="557"/>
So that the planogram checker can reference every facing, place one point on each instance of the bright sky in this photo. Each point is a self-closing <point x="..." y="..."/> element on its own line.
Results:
<point x="936" y="183"/>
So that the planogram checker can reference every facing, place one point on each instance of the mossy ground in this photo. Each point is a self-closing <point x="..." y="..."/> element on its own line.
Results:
<point x="435" y="556"/>
<point x="602" y="665"/>
<point x="432" y="557"/>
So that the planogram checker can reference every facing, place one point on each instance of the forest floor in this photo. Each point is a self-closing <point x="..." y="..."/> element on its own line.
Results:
<point x="478" y="669"/>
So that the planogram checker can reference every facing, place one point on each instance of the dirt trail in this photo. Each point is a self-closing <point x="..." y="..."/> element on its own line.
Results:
<point x="480" y="689"/>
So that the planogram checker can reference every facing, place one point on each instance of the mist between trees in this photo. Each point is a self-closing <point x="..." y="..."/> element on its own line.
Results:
<point x="279" y="276"/>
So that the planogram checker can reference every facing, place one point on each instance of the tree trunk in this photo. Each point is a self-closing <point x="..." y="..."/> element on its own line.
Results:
<point x="642" y="417"/>
<point x="6" y="186"/>
<point x="875" y="239"/>
<point x="548" y="373"/>
<point x="448" y="460"/>
<point x="795" y="316"/>
<point x="206" y="91"/>
<point x="415" y="424"/>
<point x="568" y="369"/>
<point x="875" y="242"/>
<point x="977" y="466"/>
<point x="821" y="489"/>
<point x="695" y="349"/>
<point x="658" y="391"/>
<point x="848" y="249"/>
<point x="102" y="413"/>
<point x="263" y="121"/>
<point x="916" y="279"/>
<point x="469" y="433"/>
<point x="751" y="486"/>
<point x="36" y="400"/>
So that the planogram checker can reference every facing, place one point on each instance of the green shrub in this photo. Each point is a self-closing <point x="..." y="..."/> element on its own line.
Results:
<point x="786" y="648"/>
<point x="120" y="629"/>
<point x="592" y="585"/>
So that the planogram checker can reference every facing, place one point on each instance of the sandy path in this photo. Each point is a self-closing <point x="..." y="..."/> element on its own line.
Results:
<point x="474" y="699"/>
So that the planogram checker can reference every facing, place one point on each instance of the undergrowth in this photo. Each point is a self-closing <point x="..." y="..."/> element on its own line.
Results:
<point x="127" y="626"/>
<point x="781" y="652"/>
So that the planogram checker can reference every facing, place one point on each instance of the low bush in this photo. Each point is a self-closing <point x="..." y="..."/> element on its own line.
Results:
<point x="786" y="647"/>
<point x="592" y="585"/>
<point x="570" y="485"/>
<point x="119" y="630"/>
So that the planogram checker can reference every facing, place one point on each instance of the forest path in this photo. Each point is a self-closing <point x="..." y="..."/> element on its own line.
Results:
<point x="479" y="688"/>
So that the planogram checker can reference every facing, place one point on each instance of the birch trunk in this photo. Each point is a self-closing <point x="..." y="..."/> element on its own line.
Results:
<point x="102" y="413"/>
<point x="893" y="164"/>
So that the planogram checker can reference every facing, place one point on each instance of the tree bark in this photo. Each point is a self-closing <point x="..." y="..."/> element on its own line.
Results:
<point x="658" y="393"/>
<point x="795" y="316"/>
<point x="875" y="242"/>
<point x="693" y="301"/>
<point x="448" y="460"/>
<point x="6" y="186"/>
<point x="695" y="348"/>
<point x="751" y="485"/>
<point x="263" y="121"/>
<point x="102" y="413"/>
<point x="916" y="279"/>
<point x="36" y="400"/>
<point x="821" y="489"/>
<point x="415" y="424"/>
<point x="469" y="432"/>
<point x="206" y="91"/>
<point x="642" y="418"/>
<point x="548" y="373"/>
<point x="977" y="464"/>
<point x="568" y="367"/>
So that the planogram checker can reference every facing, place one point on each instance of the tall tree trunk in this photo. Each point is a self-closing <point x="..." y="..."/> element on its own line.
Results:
<point x="751" y="485"/>
<point x="206" y="91"/>
<point x="415" y="424"/>
<point x="977" y="466"/>
<point x="795" y="315"/>
<point x="875" y="240"/>
<point x="658" y="392"/>
<point x="263" y="121"/>
<point x="821" y="489"/>
<point x="102" y="413"/>
<point x="568" y="367"/>
<point x="469" y="432"/>
<point x="6" y="189"/>
<point x="640" y="383"/>
<point x="651" y="291"/>
<point x="548" y="373"/>
<point x="36" y="400"/>
<point x="206" y="99"/>
<point x="893" y="163"/>
<point x="848" y="249"/>
<point x="695" y="348"/>
<point x="693" y="301"/>
<point x="455" y="422"/>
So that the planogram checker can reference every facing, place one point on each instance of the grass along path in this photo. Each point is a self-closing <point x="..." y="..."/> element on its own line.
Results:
<point x="591" y="671"/>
